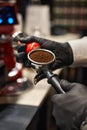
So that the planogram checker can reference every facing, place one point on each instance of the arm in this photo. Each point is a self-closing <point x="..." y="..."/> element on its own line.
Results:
<point x="79" y="48"/>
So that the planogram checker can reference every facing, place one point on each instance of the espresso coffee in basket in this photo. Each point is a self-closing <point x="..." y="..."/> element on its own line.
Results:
<point x="41" y="56"/>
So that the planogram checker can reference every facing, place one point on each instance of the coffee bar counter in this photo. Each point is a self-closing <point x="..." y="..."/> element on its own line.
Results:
<point x="33" y="95"/>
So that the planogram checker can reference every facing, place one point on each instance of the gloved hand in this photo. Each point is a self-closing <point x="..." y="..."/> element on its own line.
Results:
<point x="63" y="52"/>
<point x="70" y="109"/>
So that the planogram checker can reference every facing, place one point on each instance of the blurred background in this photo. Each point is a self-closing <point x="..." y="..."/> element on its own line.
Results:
<point x="65" y="15"/>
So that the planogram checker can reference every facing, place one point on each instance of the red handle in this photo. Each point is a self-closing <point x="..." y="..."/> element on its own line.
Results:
<point x="31" y="46"/>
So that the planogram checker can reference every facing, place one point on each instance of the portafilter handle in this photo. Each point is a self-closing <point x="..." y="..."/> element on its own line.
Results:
<point x="53" y="79"/>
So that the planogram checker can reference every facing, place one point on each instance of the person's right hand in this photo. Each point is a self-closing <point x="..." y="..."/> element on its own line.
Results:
<point x="70" y="109"/>
<point x="62" y="51"/>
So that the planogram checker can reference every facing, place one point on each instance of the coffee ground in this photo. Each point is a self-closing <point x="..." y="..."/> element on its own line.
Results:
<point x="41" y="56"/>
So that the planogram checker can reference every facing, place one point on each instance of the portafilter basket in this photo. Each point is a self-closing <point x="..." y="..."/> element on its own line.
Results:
<point x="41" y="59"/>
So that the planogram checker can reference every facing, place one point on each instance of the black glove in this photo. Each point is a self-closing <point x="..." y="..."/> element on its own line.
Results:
<point x="70" y="109"/>
<point x="63" y="52"/>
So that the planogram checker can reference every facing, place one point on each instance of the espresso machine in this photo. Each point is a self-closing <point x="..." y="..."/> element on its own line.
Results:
<point x="13" y="70"/>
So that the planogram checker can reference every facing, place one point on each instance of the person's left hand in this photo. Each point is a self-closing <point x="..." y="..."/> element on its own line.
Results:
<point x="70" y="109"/>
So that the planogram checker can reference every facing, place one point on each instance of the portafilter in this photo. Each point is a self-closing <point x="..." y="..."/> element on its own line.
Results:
<point x="40" y="60"/>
